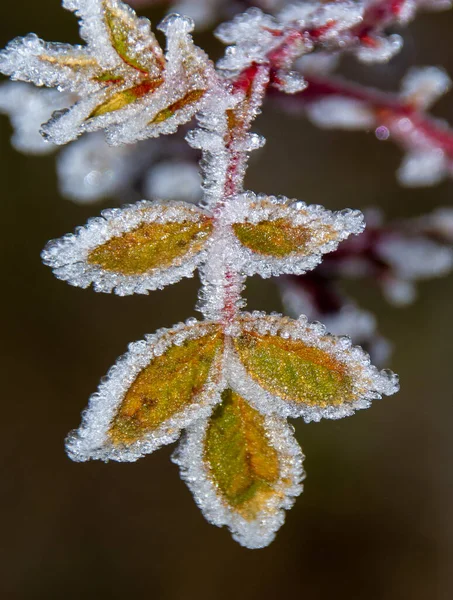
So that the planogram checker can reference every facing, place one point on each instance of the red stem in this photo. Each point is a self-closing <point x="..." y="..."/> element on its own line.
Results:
<point x="388" y="108"/>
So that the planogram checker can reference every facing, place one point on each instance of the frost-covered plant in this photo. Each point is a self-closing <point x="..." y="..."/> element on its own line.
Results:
<point x="231" y="379"/>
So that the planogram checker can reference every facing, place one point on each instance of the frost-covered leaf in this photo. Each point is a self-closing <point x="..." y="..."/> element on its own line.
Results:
<point x="296" y="369"/>
<point x="277" y="235"/>
<point x="423" y="86"/>
<point x="423" y="167"/>
<point x="125" y="84"/>
<point x="243" y="468"/>
<point x="339" y="112"/>
<point x="174" y="179"/>
<point x="28" y="108"/>
<point x="89" y="169"/>
<point x="141" y="247"/>
<point x="158" y="387"/>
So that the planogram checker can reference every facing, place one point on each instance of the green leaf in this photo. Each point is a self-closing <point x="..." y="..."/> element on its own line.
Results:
<point x="126" y="36"/>
<point x="293" y="370"/>
<point x="241" y="460"/>
<point x="189" y="99"/>
<point x="273" y="238"/>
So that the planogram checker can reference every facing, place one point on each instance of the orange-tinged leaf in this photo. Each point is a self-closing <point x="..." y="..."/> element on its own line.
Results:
<point x="160" y="386"/>
<point x="167" y="386"/>
<point x="243" y="468"/>
<point x="243" y="464"/>
<point x="295" y="368"/>
<point x="295" y="371"/>
<point x="141" y="247"/>
<point x="125" y="97"/>
<point x="273" y="238"/>
<point x="189" y="99"/>
<point x="152" y="246"/>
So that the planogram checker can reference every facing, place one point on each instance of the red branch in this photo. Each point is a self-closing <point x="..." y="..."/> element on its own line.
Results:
<point x="388" y="109"/>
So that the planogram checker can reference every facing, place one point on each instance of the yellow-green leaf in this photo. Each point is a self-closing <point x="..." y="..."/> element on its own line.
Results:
<point x="242" y="463"/>
<point x="273" y="238"/>
<point x="190" y="98"/>
<point x="122" y="99"/>
<point x="167" y="386"/>
<point x="152" y="246"/>
<point x="295" y="371"/>
<point x="127" y="36"/>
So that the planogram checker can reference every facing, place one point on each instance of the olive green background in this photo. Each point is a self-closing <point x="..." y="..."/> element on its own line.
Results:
<point x="375" y="520"/>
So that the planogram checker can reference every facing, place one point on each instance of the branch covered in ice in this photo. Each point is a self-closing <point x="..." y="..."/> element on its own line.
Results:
<point x="331" y="102"/>
<point x="126" y="85"/>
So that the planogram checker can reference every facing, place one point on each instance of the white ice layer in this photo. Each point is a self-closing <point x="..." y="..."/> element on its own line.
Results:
<point x="89" y="169"/>
<point x="68" y="255"/>
<point x="28" y="108"/>
<point x="209" y="137"/>
<point x="91" y="440"/>
<point x="384" y="49"/>
<point x="253" y="209"/>
<point x="423" y="86"/>
<point x="423" y="167"/>
<point x="174" y="180"/>
<point x="441" y="222"/>
<point x="195" y="471"/>
<point x="341" y="112"/>
<point x="188" y="69"/>
<point x="250" y="39"/>
<point x="315" y="15"/>
<point x="368" y="383"/>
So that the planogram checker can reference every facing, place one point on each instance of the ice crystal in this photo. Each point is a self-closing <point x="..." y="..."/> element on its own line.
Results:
<point x="147" y="398"/>
<point x="264" y="235"/>
<point x="423" y="86"/>
<point x="411" y="259"/>
<point x="341" y="113"/>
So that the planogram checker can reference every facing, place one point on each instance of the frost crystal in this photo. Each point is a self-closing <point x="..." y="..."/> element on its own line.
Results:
<point x="259" y="532"/>
<point x="95" y="439"/>
<point x="341" y="113"/>
<point x="268" y="387"/>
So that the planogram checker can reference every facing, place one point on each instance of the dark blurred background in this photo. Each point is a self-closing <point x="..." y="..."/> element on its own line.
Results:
<point x="375" y="520"/>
